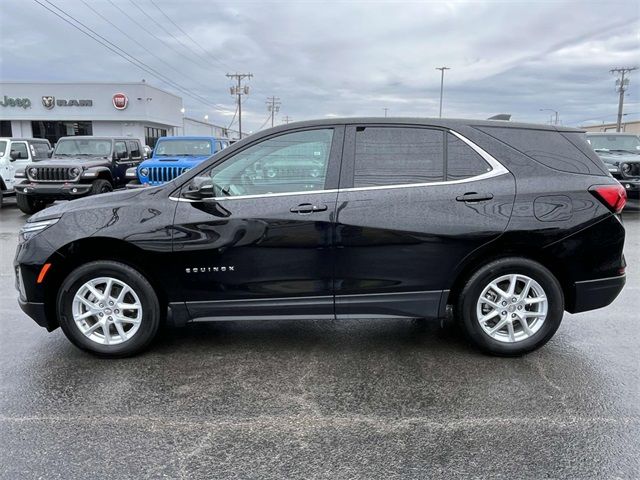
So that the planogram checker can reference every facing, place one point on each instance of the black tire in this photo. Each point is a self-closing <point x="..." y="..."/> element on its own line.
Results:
<point x="29" y="205"/>
<point x="101" y="186"/>
<point x="134" y="279"/>
<point x="467" y="303"/>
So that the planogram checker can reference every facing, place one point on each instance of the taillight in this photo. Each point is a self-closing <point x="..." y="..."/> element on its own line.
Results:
<point x="613" y="196"/>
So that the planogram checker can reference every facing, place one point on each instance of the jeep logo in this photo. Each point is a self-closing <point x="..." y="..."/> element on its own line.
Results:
<point x="15" y="102"/>
<point x="228" y="268"/>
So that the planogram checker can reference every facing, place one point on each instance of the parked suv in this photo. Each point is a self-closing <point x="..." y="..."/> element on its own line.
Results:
<point x="15" y="154"/>
<point x="80" y="166"/>
<point x="172" y="157"/>
<point x="505" y="226"/>
<point x="620" y="152"/>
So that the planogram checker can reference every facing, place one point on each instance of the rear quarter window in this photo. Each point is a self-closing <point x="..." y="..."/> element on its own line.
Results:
<point x="550" y="148"/>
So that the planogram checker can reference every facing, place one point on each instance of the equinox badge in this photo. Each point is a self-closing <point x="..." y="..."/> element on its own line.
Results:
<point x="229" y="268"/>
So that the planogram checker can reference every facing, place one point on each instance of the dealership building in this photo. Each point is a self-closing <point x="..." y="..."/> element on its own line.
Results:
<point x="136" y="110"/>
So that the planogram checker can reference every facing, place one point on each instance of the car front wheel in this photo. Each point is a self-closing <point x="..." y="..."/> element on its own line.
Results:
<point x="108" y="308"/>
<point x="511" y="306"/>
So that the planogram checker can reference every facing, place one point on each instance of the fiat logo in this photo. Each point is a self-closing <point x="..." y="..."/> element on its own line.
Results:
<point x="120" y="101"/>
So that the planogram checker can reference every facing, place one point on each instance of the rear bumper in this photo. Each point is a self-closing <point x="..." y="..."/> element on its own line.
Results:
<point x="592" y="294"/>
<point x="54" y="191"/>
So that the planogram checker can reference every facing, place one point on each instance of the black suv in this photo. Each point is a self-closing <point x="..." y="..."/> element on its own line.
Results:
<point x="80" y="166"/>
<point x="504" y="225"/>
<point x="620" y="153"/>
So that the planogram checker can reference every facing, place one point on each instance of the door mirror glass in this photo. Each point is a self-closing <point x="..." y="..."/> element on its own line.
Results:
<point x="199" y="188"/>
<point x="293" y="162"/>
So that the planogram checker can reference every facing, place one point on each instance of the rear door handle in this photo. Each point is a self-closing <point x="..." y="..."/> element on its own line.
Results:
<point x="306" y="208"/>
<point x="474" y="197"/>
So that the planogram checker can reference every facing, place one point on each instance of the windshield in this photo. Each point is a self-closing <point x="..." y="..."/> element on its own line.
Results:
<point x="188" y="148"/>
<point x="612" y="143"/>
<point x="85" y="146"/>
<point x="3" y="147"/>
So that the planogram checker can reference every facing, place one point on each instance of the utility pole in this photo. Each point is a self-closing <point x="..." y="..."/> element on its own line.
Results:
<point x="622" y="83"/>
<point x="442" y="69"/>
<point x="286" y="119"/>
<point x="273" y="106"/>
<point x="385" y="112"/>
<point x="239" y="90"/>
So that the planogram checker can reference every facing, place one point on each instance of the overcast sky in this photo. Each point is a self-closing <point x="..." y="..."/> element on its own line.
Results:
<point x="348" y="58"/>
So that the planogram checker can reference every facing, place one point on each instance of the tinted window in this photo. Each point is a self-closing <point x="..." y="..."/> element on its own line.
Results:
<point x="397" y="156"/>
<point x="119" y="148"/>
<point x="39" y="150"/>
<point x="547" y="147"/>
<point x="289" y="163"/>
<point x="20" y="149"/>
<point x="462" y="160"/>
<point x="134" y="148"/>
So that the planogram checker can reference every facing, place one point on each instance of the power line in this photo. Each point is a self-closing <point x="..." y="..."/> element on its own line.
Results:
<point x="121" y="52"/>
<point x="168" y="31"/>
<point x="239" y="90"/>
<point x="265" y="122"/>
<point x="216" y="59"/>
<point x="137" y="42"/>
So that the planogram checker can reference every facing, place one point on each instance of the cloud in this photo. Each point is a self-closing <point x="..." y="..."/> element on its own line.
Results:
<point x="331" y="58"/>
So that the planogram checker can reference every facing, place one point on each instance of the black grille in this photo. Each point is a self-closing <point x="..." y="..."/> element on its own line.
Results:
<point x="164" y="174"/>
<point x="50" y="174"/>
<point x="630" y="170"/>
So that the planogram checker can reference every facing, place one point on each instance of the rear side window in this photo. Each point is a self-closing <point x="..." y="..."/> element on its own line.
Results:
<point x="120" y="148"/>
<point x="40" y="150"/>
<point x="463" y="161"/>
<point x="398" y="156"/>
<point x="547" y="147"/>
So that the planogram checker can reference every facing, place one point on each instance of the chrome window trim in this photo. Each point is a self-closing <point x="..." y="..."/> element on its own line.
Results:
<point x="497" y="169"/>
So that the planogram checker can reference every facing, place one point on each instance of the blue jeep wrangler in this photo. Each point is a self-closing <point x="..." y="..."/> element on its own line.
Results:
<point x="172" y="156"/>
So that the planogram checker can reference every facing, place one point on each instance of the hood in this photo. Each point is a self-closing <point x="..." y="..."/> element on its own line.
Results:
<point x="85" y="162"/>
<point x="173" y="160"/>
<point x="619" y="157"/>
<point x="104" y="200"/>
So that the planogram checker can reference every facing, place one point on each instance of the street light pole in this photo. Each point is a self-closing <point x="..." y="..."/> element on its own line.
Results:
<point x="442" y="69"/>
<point x="551" y="110"/>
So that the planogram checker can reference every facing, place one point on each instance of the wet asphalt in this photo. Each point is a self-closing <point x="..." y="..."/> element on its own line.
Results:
<point x="322" y="399"/>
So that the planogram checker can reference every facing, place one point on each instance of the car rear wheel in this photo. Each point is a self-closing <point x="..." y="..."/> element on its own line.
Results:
<point x="108" y="308"/>
<point x="101" y="186"/>
<point x="511" y="306"/>
<point x="29" y="205"/>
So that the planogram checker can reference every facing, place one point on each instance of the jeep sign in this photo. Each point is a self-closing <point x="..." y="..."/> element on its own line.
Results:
<point x="120" y="101"/>
<point x="15" y="102"/>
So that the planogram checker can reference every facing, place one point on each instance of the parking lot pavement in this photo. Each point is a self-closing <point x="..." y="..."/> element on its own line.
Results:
<point x="322" y="399"/>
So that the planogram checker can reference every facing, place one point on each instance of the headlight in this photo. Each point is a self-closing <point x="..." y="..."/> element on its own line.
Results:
<point x="31" y="229"/>
<point x="75" y="171"/>
<point x="33" y="172"/>
<point x="144" y="172"/>
<point x="130" y="173"/>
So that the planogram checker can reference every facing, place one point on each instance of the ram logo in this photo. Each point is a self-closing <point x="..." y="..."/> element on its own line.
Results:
<point x="48" y="102"/>
<point x="227" y="268"/>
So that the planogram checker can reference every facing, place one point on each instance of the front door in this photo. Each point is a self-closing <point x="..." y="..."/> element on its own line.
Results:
<point x="17" y="159"/>
<point x="261" y="243"/>
<point x="413" y="203"/>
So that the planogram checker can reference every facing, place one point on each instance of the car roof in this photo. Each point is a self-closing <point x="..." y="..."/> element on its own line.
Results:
<point x="190" y="137"/>
<point x="450" y="123"/>
<point x="93" y="137"/>
<point x="609" y="134"/>
<point x="27" y="139"/>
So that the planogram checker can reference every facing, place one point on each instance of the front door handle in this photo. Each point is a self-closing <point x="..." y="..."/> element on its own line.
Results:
<point x="474" y="197"/>
<point x="306" y="208"/>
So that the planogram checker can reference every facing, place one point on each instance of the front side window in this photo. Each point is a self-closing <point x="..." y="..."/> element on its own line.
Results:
<point x="39" y="150"/>
<point x="294" y="162"/>
<point x="120" y="150"/>
<point x="3" y="148"/>
<point x="463" y="161"/>
<point x="19" y="150"/>
<point x="398" y="156"/>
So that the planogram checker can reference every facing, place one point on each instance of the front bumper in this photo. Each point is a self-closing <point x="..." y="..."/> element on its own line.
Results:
<point x="54" y="191"/>
<point x="592" y="294"/>
<point x="37" y="312"/>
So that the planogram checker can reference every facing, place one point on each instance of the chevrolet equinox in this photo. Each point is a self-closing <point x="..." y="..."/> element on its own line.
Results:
<point x="505" y="226"/>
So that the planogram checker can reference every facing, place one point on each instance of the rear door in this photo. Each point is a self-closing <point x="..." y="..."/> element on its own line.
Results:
<point x="413" y="203"/>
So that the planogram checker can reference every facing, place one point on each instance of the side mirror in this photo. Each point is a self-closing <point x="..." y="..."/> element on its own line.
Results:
<point x="50" y="154"/>
<point x="199" y="189"/>
<point x="14" y="155"/>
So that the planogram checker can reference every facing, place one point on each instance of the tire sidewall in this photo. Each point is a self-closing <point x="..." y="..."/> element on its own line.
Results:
<point x="149" y="300"/>
<point x="477" y="283"/>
